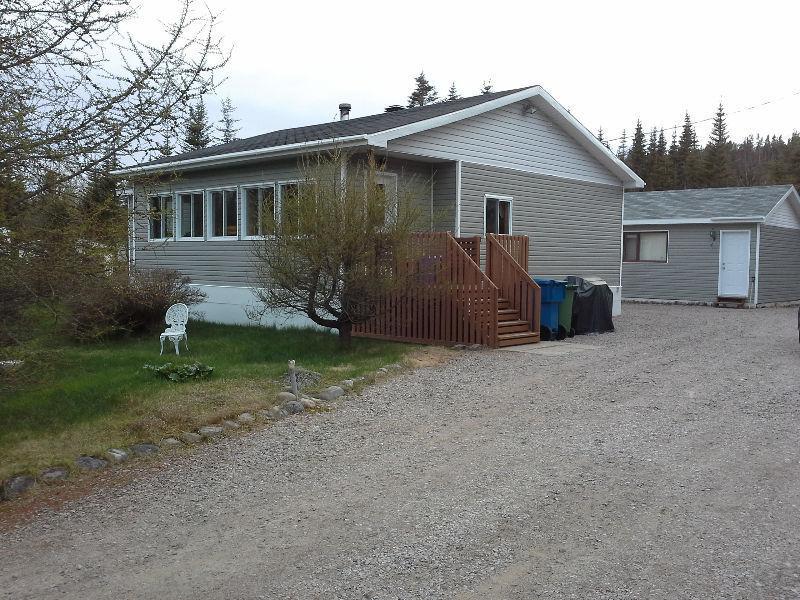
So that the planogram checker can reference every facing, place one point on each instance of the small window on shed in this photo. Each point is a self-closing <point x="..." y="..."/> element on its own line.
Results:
<point x="645" y="246"/>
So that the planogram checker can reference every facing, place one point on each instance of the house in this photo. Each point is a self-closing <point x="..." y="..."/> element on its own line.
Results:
<point x="512" y="163"/>
<point x="713" y="244"/>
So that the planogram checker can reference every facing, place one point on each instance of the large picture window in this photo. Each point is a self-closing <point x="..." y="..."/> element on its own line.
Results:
<point x="258" y="206"/>
<point x="224" y="217"/>
<point x="497" y="215"/>
<point x="190" y="215"/>
<point x="645" y="246"/>
<point x="162" y="216"/>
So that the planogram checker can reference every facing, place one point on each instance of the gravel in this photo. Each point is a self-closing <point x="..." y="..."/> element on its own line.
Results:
<point x="661" y="464"/>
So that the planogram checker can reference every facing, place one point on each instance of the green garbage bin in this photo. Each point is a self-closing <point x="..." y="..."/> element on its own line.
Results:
<point x="565" y="311"/>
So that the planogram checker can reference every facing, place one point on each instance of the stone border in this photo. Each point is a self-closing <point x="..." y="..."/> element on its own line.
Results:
<point x="287" y="404"/>
<point x="713" y="304"/>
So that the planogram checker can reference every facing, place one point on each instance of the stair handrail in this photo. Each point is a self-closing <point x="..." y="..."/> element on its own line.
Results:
<point x="515" y="283"/>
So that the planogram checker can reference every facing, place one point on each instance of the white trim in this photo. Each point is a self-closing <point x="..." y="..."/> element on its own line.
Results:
<point x="717" y="220"/>
<point x="458" y="198"/>
<point x="622" y="239"/>
<point x="647" y="262"/>
<point x="791" y="193"/>
<point x="500" y="198"/>
<point x="243" y="207"/>
<point x="179" y="216"/>
<point x="758" y="263"/>
<point x="719" y="263"/>
<point x="232" y="157"/>
<point x="210" y="237"/>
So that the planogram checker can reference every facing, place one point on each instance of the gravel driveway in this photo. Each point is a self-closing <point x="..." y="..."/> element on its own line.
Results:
<point x="661" y="464"/>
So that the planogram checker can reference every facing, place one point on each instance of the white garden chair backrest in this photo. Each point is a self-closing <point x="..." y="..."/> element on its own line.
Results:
<point x="177" y="316"/>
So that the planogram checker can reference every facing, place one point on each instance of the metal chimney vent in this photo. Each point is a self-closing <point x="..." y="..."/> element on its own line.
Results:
<point x="344" y="111"/>
<point x="394" y="108"/>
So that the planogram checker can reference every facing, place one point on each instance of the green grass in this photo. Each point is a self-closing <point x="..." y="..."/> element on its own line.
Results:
<point x="73" y="399"/>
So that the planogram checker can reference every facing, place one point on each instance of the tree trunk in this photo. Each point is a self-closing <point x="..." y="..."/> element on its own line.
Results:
<point x="345" y="334"/>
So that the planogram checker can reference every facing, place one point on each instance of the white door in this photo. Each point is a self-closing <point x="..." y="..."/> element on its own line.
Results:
<point x="734" y="264"/>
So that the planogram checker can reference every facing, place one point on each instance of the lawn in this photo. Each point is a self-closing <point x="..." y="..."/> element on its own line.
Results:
<point x="82" y="399"/>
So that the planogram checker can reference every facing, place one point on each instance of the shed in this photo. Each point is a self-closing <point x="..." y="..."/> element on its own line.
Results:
<point x="709" y="245"/>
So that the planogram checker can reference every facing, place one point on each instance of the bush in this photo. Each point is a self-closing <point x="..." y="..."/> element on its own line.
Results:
<point x="180" y="372"/>
<point x="126" y="305"/>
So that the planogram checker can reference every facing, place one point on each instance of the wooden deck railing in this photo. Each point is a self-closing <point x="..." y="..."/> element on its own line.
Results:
<point x="472" y="246"/>
<point x="511" y="278"/>
<point x="446" y="298"/>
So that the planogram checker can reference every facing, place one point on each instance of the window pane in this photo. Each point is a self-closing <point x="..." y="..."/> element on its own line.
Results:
<point x="653" y="246"/>
<point x="186" y="215"/>
<point x="155" y="217"/>
<point x="504" y="218"/>
<point x="290" y="208"/>
<point x="252" y="211"/>
<point x="217" y="211"/>
<point x="197" y="215"/>
<point x="231" y="216"/>
<point x="491" y="216"/>
<point x="630" y="247"/>
<point x="267" y="219"/>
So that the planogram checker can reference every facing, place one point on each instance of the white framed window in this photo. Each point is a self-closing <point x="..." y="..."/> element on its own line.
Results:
<point x="497" y="214"/>
<point x="161" y="215"/>
<point x="223" y="214"/>
<point x="645" y="246"/>
<point x="190" y="216"/>
<point x="258" y="210"/>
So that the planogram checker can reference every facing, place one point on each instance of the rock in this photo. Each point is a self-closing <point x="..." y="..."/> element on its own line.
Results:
<point x="144" y="449"/>
<point x="245" y="418"/>
<point x="13" y="487"/>
<point x="210" y="431"/>
<point x="308" y="403"/>
<point x="475" y="347"/>
<point x="90" y="463"/>
<point x="9" y="365"/>
<point x="230" y="424"/>
<point x="284" y="397"/>
<point x="116" y="455"/>
<point x="304" y="377"/>
<point x="347" y="383"/>
<point x="382" y="371"/>
<point x="54" y="474"/>
<point x="276" y="412"/>
<point x="331" y="393"/>
<point x="170" y="442"/>
<point x="460" y="347"/>
<point x="264" y="414"/>
<point x="293" y="407"/>
<point x="189" y="437"/>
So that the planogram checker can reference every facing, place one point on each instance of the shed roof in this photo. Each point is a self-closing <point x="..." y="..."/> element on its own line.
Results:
<point x="733" y="203"/>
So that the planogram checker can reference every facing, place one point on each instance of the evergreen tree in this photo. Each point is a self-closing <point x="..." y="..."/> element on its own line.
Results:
<point x="424" y="92"/>
<point x="718" y="171"/>
<point x="637" y="156"/>
<point x="487" y="87"/>
<point x="688" y="160"/>
<point x="661" y="169"/>
<point x="227" y="123"/>
<point x="197" y="134"/>
<point x="622" y="149"/>
<point x="671" y="182"/>
<point x="452" y="94"/>
<point x="601" y="139"/>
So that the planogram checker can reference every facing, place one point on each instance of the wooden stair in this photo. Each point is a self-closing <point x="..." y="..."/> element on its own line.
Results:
<point x="511" y="330"/>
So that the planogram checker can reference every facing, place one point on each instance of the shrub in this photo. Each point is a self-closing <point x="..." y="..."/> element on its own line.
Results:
<point x="180" y="372"/>
<point x="129" y="304"/>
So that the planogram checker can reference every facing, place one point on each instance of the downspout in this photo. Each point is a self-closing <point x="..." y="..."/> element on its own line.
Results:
<point x="458" y="199"/>
<point x="758" y="262"/>
<point x="621" y="243"/>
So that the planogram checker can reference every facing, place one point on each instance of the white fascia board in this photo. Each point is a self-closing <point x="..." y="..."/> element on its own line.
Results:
<point x="790" y="193"/>
<point x="712" y="221"/>
<point x="233" y="157"/>
<point x="553" y="110"/>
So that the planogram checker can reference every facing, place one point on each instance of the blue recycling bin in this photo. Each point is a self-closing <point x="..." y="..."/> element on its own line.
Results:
<point x="553" y="293"/>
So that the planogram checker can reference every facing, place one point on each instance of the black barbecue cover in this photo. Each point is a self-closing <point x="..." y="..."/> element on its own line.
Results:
<point x="591" y="309"/>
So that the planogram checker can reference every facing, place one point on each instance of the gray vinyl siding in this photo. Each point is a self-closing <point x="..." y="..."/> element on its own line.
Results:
<point x="784" y="215"/>
<point x="574" y="227"/>
<point x="779" y="268"/>
<point x="692" y="268"/>
<point x="444" y="196"/>
<point x="509" y="137"/>
<point x="230" y="262"/>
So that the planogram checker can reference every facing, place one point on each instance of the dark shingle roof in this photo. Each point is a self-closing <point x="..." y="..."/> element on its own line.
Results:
<point x="338" y="129"/>
<point x="711" y="203"/>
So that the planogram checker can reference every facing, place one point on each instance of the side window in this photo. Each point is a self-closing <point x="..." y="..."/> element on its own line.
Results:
<point x="190" y="215"/>
<point x="161" y="215"/>
<point x="497" y="215"/>
<point x="290" y="207"/>
<point x="259" y="210"/>
<point x="223" y="213"/>
<point x="645" y="246"/>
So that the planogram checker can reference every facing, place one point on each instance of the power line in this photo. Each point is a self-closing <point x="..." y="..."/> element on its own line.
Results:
<point x="733" y="112"/>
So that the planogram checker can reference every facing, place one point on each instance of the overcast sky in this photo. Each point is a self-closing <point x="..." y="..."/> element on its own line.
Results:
<point x="609" y="63"/>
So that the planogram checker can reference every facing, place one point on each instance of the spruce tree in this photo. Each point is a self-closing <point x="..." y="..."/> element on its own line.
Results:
<point x="622" y="148"/>
<point x="453" y="94"/>
<point x="227" y="123"/>
<point x="661" y="163"/>
<point x="601" y="138"/>
<point x="424" y="93"/>
<point x="637" y="156"/>
<point x="688" y="159"/>
<point x="487" y="87"/>
<point x="671" y="182"/>
<point x="718" y="169"/>
<point x="197" y="134"/>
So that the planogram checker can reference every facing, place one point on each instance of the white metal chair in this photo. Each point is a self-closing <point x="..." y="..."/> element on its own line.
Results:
<point x="177" y="316"/>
